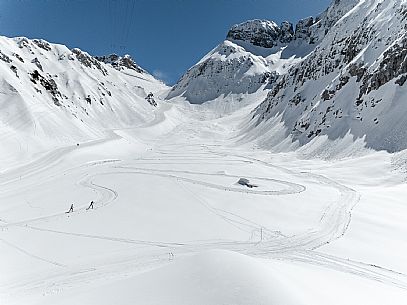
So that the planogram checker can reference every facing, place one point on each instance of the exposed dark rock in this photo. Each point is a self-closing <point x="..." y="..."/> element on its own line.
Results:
<point x="393" y="65"/>
<point x="302" y="29"/>
<point x="401" y="80"/>
<point x="23" y="42"/>
<point x="267" y="34"/>
<point x="296" y="100"/>
<point x="14" y="69"/>
<point x="151" y="100"/>
<point x="5" y="58"/>
<point x="18" y="57"/>
<point x="119" y="63"/>
<point x="327" y="94"/>
<point x="343" y="80"/>
<point x="37" y="63"/>
<point x="262" y="33"/>
<point x="357" y="70"/>
<point x="42" y="44"/>
<point x="286" y="32"/>
<point x="49" y="85"/>
<point x="89" y="61"/>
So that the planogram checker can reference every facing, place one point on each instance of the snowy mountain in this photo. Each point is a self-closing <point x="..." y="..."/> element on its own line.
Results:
<point x="352" y="85"/>
<point x="248" y="60"/>
<point x="121" y="62"/>
<point x="253" y="55"/>
<point x="51" y="95"/>
<point x="227" y="69"/>
<point x="111" y="194"/>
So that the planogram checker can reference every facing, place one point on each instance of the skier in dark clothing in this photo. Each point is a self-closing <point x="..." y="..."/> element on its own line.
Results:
<point x="90" y="206"/>
<point x="70" y="209"/>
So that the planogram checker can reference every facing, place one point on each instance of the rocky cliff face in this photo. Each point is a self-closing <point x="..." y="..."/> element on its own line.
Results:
<point x="261" y="33"/>
<point x="267" y="34"/>
<point x="353" y="83"/>
<point x="120" y="62"/>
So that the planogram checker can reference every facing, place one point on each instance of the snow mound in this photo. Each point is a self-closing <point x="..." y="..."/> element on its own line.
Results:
<point x="209" y="278"/>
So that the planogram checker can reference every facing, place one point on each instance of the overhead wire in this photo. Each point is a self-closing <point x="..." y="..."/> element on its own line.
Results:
<point x="125" y="25"/>
<point x="121" y="18"/>
<point x="132" y="17"/>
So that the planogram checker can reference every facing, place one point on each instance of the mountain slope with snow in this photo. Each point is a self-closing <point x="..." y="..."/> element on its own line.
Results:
<point x="254" y="54"/>
<point x="350" y="86"/>
<point x="227" y="69"/>
<point x="177" y="201"/>
<point x="50" y="96"/>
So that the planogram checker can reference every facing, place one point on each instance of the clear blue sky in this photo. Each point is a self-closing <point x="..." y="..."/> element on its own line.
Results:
<point x="166" y="37"/>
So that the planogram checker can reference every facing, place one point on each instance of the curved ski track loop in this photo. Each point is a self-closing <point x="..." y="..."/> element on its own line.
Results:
<point x="302" y="247"/>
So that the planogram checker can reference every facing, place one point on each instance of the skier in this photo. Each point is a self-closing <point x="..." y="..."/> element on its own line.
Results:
<point x="90" y="206"/>
<point x="70" y="209"/>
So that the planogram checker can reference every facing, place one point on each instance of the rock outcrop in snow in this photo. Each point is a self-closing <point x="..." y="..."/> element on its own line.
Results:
<point x="51" y="95"/>
<point x="261" y="33"/>
<point x="121" y="62"/>
<point x="353" y="83"/>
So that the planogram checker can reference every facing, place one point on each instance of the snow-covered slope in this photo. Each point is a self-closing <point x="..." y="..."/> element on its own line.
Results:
<point x="239" y="280"/>
<point x="50" y="95"/>
<point x="227" y="69"/>
<point x="158" y="214"/>
<point x="255" y="53"/>
<point x="248" y="60"/>
<point x="351" y="86"/>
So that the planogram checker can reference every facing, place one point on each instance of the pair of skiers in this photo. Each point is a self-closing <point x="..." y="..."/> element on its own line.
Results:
<point x="89" y="207"/>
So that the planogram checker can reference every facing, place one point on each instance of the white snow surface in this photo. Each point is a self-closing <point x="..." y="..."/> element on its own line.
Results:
<point x="88" y="98"/>
<point x="325" y="224"/>
<point x="171" y="226"/>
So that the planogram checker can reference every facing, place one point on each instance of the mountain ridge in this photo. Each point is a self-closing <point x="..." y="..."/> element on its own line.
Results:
<point x="50" y="95"/>
<point x="275" y="47"/>
<point x="325" y="77"/>
<point x="349" y="83"/>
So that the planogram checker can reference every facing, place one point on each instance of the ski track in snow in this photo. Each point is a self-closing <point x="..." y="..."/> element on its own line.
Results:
<point x="303" y="247"/>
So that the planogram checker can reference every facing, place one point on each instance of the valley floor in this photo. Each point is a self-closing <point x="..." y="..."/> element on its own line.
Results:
<point x="171" y="225"/>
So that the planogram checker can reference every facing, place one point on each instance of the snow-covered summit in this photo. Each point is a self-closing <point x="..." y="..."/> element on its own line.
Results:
<point x="121" y="62"/>
<point x="50" y="95"/>
<point x="227" y="69"/>
<point x="254" y="54"/>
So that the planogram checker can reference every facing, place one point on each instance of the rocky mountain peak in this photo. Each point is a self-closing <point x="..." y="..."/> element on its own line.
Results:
<point x="120" y="62"/>
<point x="255" y="52"/>
<point x="261" y="33"/>
<point x="302" y="29"/>
<point x="286" y="32"/>
<point x="267" y="34"/>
